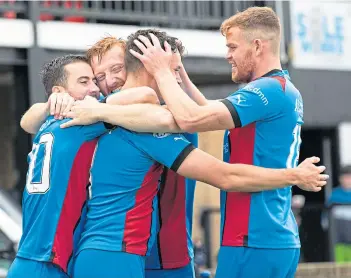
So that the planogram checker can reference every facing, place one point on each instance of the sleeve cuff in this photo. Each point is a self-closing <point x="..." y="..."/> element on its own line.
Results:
<point x="108" y="126"/>
<point x="233" y="112"/>
<point x="181" y="157"/>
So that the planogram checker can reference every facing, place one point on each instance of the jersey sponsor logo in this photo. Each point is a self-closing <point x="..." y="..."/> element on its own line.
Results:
<point x="161" y="135"/>
<point x="258" y="92"/>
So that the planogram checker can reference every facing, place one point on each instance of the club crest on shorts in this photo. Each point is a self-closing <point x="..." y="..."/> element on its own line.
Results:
<point x="161" y="135"/>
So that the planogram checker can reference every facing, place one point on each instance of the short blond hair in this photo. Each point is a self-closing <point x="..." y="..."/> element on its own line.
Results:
<point x="257" y="22"/>
<point x="104" y="45"/>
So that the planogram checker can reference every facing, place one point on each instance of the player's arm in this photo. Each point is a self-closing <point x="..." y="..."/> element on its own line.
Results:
<point x="260" y="100"/>
<point x="140" y="118"/>
<point x="176" y="153"/>
<point x="190" y="87"/>
<point x="134" y="95"/>
<point x="34" y="117"/>
<point x="190" y="116"/>
<point x="137" y="117"/>
<point x="187" y="113"/>
<point x="58" y="104"/>
<point x="203" y="167"/>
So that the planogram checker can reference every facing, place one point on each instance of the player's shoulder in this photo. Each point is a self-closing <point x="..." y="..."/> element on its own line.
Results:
<point x="161" y="137"/>
<point x="47" y="126"/>
<point x="53" y="126"/>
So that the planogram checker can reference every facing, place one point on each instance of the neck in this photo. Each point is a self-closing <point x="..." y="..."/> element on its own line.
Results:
<point x="141" y="79"/>
<point x="135" y="80"/>
<point x="269" y="63"/>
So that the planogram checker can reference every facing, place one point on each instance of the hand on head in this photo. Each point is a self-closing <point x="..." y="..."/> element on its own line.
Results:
<point x="84" y="112"/>
<point x="59" y="104"/>
<point x="154" y="58"/>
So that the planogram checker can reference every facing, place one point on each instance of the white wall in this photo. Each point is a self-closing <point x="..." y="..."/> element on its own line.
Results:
<point x="80" y="36"/>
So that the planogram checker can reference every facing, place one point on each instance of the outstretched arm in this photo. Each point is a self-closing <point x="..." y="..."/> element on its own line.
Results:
<point x="34" y="117"/>
<point x="201" y="166"/>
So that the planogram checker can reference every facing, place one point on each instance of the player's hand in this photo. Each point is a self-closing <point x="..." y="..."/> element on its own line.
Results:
<point x="60" y="104"/>
<point x="310" y="176"/>
<point x="154" y="58"/>
<point x="84" y="112"/>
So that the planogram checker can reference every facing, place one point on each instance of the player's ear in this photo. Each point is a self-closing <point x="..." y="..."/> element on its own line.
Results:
<point x="258" y="47"/>
<point x="57" y="89"/>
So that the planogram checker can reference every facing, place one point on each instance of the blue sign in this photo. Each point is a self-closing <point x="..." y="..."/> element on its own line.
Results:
<point x="328" y="41"/>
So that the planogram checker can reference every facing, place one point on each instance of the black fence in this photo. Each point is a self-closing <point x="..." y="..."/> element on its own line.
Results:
<point x="204" y="15"/>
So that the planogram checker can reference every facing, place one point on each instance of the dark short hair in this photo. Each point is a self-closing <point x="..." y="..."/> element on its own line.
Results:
<point x="133" y="64"/>
<point x="345" y="170"/>
<point x="53" y="73"/>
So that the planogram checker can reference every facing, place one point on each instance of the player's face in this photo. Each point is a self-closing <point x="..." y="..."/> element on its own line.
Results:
<point x="240" y="56"/>
<point x="176" y="64"/>
<point x="110" y="72"/>
<point x="345" y="181"/>
<point x="81" y="81"/>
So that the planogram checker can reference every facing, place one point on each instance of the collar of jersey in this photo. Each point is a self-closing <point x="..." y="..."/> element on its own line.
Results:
<point x="273" y="72"/>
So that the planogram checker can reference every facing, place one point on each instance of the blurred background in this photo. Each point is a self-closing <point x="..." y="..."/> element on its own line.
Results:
<point x="316" y="49"/>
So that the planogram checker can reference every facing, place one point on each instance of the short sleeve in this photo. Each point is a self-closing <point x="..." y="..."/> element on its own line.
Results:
<point x="90" y="132"/>
<point x="95" y="130"/>
<point x="165" y="148"/>
<point x="259" y="100"/>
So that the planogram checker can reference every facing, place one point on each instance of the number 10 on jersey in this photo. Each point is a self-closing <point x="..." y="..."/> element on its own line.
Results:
<point x="38" y="176"/>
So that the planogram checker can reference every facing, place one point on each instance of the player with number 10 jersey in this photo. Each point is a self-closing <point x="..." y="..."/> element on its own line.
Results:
<point x="55" y="193"/>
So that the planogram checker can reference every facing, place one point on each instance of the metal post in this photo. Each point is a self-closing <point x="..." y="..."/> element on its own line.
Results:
<point x="327" y="161"/>
<point x="35" y="58"/>
<point x="206" y="226"/>
<point x="22" y="139"/>
<point x="279" y="10"/>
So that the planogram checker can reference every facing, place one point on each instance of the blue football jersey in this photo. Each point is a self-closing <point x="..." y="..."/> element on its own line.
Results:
<point x="125" y="178"/>
<point x="55" y="191"/>
<point x="173" y="247"/>
<point x="268" y="115"/>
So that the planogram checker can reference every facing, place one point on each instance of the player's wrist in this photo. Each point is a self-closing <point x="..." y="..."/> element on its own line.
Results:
<point x="293" y="176"/>
<point x="99" y="113"/>
<point x="162" y="74"/>
<point x="184" y="75"/>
